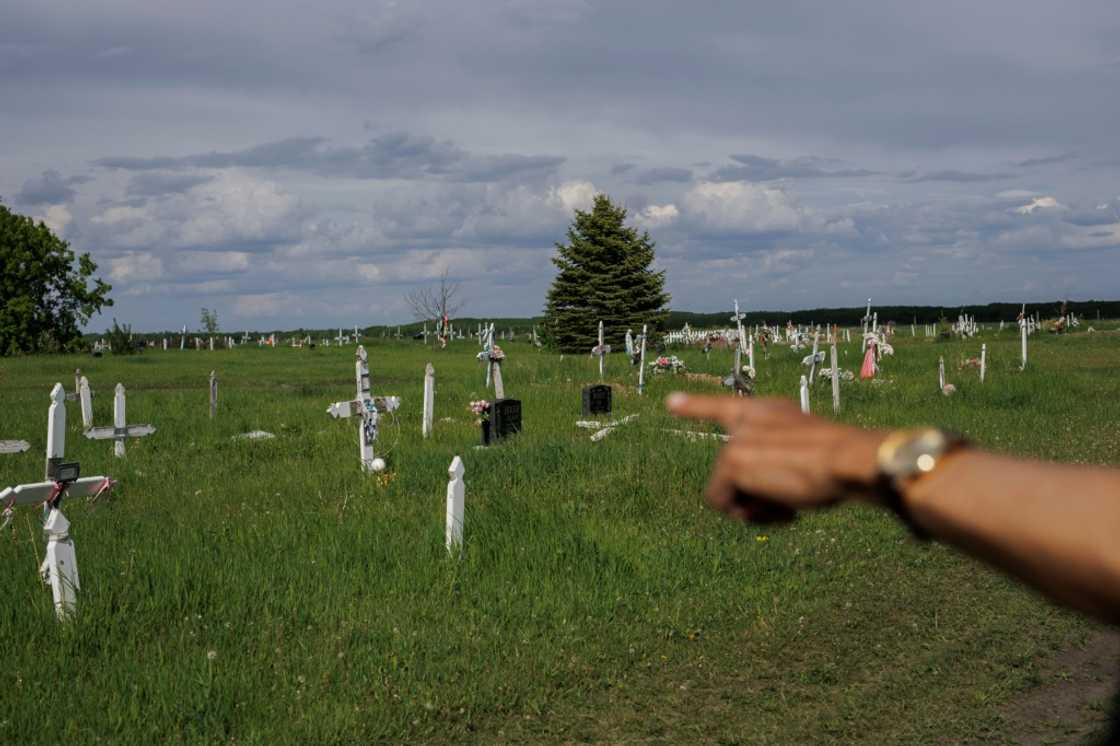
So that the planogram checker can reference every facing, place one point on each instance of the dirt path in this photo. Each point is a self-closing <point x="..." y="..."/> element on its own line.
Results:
<point x="1075" y="703"/>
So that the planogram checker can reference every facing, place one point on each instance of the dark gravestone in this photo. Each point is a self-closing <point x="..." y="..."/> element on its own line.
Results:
<point x="505" y="416"/>
<point x="596" y="399"/>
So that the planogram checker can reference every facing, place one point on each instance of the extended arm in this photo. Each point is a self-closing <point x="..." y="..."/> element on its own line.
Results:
<point x="1054" y="526"/>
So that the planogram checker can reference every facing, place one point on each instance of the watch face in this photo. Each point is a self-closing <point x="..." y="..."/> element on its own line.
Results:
<point x="916" y="455"/>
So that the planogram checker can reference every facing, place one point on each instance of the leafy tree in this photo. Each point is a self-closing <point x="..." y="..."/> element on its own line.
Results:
<point x="605" y="274"/>
<point x="45" y="297"/>
<point x="121" y="341"/>
<point x="209" y="320"/>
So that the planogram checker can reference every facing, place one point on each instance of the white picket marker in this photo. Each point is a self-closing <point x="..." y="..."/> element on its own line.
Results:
<point x="429" y="399"/>
<point x="835" y="380"/>
<point x="56" y="430"/>
<point x="213" y="394"/>
<point x="499" y="387"/>
<point x="456" y="503"/>
<point x="941" y="374"/>
<point x="1023" y="329"/>
<point x="120" y="422"/>
<point x="642" y="363"/>
<point x="983" y="361"/>
<point x="84" y="399"/>
<point x="750" y="354"/>
<point x="804" y="395"/>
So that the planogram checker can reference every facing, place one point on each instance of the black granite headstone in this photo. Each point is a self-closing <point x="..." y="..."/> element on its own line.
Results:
<point x="505" y="417"/>
<point x="596" y="399"/>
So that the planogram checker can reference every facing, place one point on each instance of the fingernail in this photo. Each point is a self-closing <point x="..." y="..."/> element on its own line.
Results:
<point x="675" y="399"/>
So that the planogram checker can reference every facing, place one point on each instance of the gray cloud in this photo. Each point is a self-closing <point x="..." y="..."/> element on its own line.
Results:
<point x="49" y="188"/>
<point x="396" y="155"/>
<point x="664" y="173"/>
<point x="760" y="168"/>
<point x="156" y="183"/>
<point x="1046" y="160"/>
<point x="961" y="177"/>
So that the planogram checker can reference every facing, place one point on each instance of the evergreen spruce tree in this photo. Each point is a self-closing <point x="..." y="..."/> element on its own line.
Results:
<point x="605" y="274"/>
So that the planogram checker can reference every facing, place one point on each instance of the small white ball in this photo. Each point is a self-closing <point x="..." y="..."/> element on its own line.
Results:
<point x="378" y="464"/>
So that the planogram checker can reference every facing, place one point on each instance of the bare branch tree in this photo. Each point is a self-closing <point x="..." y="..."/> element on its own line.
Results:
<point x="435" y="303"/>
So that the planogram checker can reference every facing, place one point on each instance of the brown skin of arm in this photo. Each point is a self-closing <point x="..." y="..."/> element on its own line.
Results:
<point x="1054" y="526"/>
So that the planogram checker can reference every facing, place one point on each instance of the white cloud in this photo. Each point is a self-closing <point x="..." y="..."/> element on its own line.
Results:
<point x="739" y="206"/>
<point x="657" y="216"/>
<point x="135" y="267"/>
<point x="574" y="195"/>
<point x="57" y="218"/>
<point x="1039" y="203"/>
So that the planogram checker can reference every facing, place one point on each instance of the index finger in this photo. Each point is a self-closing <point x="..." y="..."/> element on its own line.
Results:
<point x="720" y="409"/>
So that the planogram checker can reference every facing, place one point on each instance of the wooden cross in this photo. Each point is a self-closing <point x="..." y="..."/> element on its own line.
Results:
<point x="601" y="350"/>
<point x="120" y="431"/>
<point x="369" y="409"/>
<point x="60" y="565"/>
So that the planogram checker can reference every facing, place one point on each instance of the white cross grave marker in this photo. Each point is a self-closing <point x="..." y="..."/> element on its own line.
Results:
<point x="738" y="319"/>
<point x="121" y="430"/>
<point x="456" y="503"/>
<point x="804" y="395"/>
<point x="60" y="565"/>
<point x="369" y="409"/>
<point x="429" y="399"/>
<point x="601" y="350"/>
<point x="493" y="357"/>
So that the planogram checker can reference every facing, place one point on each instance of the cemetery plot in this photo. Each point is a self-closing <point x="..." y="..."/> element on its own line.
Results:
<point x="579" y="590"/>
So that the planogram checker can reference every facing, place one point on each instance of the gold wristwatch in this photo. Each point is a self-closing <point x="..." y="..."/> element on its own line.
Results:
<point x="905" y="455"/>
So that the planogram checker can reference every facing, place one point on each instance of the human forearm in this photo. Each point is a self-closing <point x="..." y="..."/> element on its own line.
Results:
<point x="1054" y="526"/>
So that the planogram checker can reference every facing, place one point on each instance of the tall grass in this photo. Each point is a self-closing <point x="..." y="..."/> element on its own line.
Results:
<point x="270" y="592"/>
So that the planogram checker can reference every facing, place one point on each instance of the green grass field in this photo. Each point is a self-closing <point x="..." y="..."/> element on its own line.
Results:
<point x="269" y="592"/>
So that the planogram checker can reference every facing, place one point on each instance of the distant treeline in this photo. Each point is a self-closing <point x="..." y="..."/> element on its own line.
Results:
<point x="992" y="312"/>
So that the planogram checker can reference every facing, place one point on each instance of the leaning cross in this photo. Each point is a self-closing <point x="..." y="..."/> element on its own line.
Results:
<point x="120" y="431"/>
<point x="369" y="409"/>
<point x="601" y="350"/>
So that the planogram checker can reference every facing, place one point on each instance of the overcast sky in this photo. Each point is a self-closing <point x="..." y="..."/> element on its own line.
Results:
<point x="307" y="164"/>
